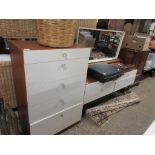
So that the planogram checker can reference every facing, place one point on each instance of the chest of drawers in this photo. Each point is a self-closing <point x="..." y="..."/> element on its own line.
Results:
<point x="49" y="84"/>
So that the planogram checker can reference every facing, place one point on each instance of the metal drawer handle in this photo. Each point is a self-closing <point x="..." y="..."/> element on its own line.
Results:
<point x="63" y="85"/>
<point x="61" y="115"/>
<point x="64" y="66"/>
<point x="64" y="55"/>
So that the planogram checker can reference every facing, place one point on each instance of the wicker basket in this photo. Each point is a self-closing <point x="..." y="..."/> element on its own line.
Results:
<point x="89" y="23"/>
<point x="6" y="81"/>
<point x="18" y="28"/>
<point x="56" y="32"/>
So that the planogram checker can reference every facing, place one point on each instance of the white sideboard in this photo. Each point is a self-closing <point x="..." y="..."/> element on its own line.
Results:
<point x="95" y="89"/>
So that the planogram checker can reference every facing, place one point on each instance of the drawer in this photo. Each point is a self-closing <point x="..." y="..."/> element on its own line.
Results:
<point x="131" y="79"/>
<point x="48" y="99"/>
<point x="52" y="71"/>
<point x="58" y="122"/>
<point x="125" y="81"/>
<point x="121" y="83"/>
<point x="40" y="56"/>
<point x="54" y="87"/>
<point x="97" y="89"/>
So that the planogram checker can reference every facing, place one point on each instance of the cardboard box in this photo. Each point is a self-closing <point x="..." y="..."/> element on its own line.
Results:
<point x="137" y="42"/>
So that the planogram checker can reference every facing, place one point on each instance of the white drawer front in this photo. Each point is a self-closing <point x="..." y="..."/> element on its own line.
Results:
<point x="96" y="90"/>
<point x="125" y="81"/>
<point x="56" y="88"/>
<point x="48" y="101"/>
<point x="49" y="72"/>
<point x="131" y="79"/>
<point x="122" y="83"/>
<point x="39" y="56"/>
<point x="58" y="122"/>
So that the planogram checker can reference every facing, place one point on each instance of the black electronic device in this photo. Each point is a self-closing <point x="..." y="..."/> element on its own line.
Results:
<point x="104" y="72"/>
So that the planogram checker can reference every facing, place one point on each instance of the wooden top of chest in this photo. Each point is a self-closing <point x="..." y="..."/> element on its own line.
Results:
<point x="34" y="45"/>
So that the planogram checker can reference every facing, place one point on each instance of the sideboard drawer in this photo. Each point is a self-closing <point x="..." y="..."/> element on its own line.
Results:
<point x="58" y="122"/>
<point x="125" y="81"/>
<point x="97" y="89"/>
<point x="121" y="83"/>
<point x="52" y="71"/>
<point x="131" y="79"/>
<point x="37" y="56"/>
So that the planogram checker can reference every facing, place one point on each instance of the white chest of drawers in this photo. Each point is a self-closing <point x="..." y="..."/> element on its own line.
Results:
<point x="54" y="84"/>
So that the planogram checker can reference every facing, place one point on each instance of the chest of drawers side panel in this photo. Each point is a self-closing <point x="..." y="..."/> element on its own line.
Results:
<point x="20" y="86"/>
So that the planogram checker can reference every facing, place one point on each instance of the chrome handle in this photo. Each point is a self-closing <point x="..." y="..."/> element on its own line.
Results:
<point x="64" y="66"/>
<point x="61" y="115"/>
<point x="62" y="102"/>
<point x="64" y="55"/>
<point x="63" y="85"/>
